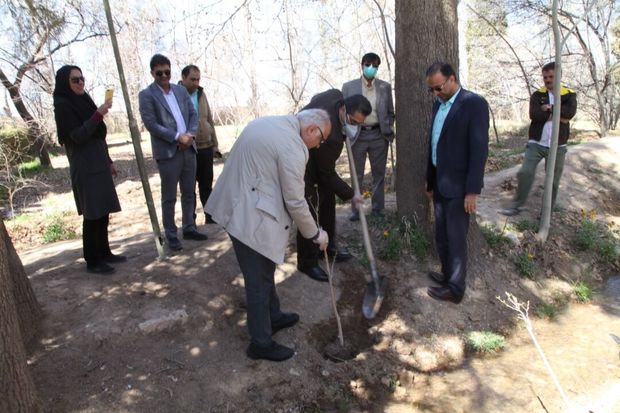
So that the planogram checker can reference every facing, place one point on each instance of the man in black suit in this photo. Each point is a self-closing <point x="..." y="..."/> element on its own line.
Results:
<point x="322" y="183"/>
<point x="458" y="149"/>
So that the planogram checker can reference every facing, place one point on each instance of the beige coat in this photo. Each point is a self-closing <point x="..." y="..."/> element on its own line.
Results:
<point x="205" y="136"/>
<point x="261" y="190"/>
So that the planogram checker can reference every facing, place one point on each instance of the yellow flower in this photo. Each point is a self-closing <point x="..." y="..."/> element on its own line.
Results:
<point x="366" y="194"/>
<point x="592" y="214"/>
<point x="386" y="233"/>
<point x="530" y="255"/>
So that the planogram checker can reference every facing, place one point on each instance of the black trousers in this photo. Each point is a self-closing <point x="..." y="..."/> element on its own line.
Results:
<point x="263" y="304"/>
<point x="95" y="239"/>
<point x="451" y="225"/>
<point x="204" y="174"/>
<point x="323" y="201"/>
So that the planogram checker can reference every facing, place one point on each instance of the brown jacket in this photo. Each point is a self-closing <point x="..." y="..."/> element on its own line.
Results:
<point x="206" y="136"/>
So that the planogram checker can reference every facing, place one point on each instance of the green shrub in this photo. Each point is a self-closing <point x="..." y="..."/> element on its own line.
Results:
<point x="415" y="239"/>
<point x="392" y="247"/>
<point x="587" y="235"/>
<point x="485" y="341"/>
<point x="56" y="230"/>
<point x="525" y="264"/>
<point x="583" y="292"/>
<point x="14" y="145"/>
<point x="493" y="236"/>
<point x="547" y="310"/>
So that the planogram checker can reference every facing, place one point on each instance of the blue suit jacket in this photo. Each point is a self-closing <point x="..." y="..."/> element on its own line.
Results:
<point x="158" y="119"/>
<point x="462" y="148"/>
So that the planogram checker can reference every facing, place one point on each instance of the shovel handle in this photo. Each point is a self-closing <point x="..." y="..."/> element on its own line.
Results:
<point x="367" y="245"/>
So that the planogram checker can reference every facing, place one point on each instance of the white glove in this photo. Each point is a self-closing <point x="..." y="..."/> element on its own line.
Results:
<point x="322" y="240"/>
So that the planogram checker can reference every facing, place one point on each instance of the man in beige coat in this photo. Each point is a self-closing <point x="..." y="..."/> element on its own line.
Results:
<point x="206" y="138"/>
<point x="256" y="198"/>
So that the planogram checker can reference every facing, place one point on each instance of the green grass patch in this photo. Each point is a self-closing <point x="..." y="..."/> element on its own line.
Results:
<point x="525" y="263"/>
<point x="57" y="230"/>
<point x="494" y="237"/>
<point x="596" y="237"/>
<point x="30" y="168"/>
<point x="485" y="341"/>
<point x="583" y="292"/>
<point x="547" y="310"/>
<point x="551" y="310"/>
<point x="523" y="225"/>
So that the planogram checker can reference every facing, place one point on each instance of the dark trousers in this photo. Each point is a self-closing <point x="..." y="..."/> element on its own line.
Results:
<point x="178" y="171"/>
<point x="451" y="225"/>
<point x="95" y="239"/>
<point x="263" y="304"/>
<point x="308" y="253"/>
<point x="204" y="174"/>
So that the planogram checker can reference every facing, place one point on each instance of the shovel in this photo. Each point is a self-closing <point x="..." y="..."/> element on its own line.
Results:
<point x="375" y="285"/>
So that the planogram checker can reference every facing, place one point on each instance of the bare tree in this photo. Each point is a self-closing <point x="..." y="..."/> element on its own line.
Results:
<point x="39" y="29"/>
<point x="586" y="25"/>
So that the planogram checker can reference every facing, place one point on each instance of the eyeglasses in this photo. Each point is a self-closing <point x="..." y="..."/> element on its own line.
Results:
<point x="437" y="88"/>
<point x="375" y="65"/>
<point x="161" y="73"/>
<point x="321" y="132"/>
<point x="77" y="80"/>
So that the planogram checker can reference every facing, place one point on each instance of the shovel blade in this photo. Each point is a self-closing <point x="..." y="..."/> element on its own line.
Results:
<point x="373" y="298"/>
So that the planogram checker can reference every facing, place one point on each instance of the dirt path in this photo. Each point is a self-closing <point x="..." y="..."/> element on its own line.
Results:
<point x="96" y="356"/>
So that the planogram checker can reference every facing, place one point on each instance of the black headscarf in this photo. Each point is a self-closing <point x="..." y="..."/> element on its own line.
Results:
<point x="70" y="110"/>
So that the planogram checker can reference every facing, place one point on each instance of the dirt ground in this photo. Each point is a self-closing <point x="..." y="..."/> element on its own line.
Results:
<point x="95" y="355"/>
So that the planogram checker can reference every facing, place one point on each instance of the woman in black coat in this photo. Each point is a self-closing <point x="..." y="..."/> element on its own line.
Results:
<point x="82" y="131"/>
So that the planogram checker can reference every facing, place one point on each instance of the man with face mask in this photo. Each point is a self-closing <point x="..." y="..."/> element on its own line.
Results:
<point x="377" y="131"/>
<point x="322" y="183"/>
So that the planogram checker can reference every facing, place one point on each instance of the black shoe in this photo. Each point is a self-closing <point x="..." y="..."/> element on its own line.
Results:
<point x="443" y="294"/>
<point x="354" y="217"/>
<point x="174" y="244"/>
<point x="99" y="268"/>
<point x="114" y="259"/>
<point x="195" y="235"/>
<point x="285" y="321"/>
<point x="438" y="278"/>
<point x="275" y="352"/>
<point x="340" y="256"/>
<point x="316" y="273"/>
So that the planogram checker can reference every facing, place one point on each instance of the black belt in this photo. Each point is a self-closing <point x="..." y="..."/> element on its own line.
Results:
<point x="370" y="127"/>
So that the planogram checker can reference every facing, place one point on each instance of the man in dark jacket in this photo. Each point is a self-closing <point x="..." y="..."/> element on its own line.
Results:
<point x="541" y="113"/>
<point x="322" y="183"/>
<point x="206" y="138"/>
<point x="458" y="149"/>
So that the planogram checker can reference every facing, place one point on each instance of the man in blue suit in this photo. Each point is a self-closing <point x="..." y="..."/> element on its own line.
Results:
<point x="458" y="151"/>
<point x="169" y="115"/>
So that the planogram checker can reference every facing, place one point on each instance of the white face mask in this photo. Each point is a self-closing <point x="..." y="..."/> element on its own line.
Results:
<point x="351" y="131"/>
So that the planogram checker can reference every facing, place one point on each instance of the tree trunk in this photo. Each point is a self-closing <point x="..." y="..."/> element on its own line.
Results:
<point x="17" y="391"/>
<point x="425" y="34"/>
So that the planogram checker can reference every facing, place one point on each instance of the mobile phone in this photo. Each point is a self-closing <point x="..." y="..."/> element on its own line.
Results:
<point x="109" y="94"/>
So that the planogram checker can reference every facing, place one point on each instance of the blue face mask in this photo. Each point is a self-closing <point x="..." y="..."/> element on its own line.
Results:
<point x="370" y="71"/>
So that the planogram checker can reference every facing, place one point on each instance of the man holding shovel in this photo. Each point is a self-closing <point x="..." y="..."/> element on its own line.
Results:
<point x="322" y="181"/>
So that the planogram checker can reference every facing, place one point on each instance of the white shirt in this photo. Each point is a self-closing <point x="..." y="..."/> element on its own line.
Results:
<point x="545" y="137"/>
<point x="176" y="111"/>
<point x="370" y="93"/>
